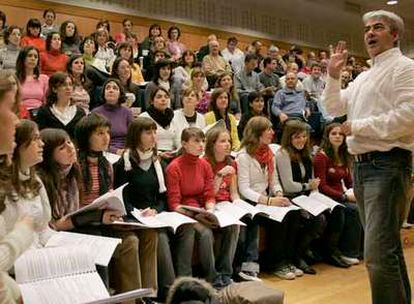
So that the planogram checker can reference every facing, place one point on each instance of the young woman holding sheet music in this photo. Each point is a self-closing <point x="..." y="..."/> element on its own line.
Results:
<point x="294" y="165"/>
<point x="140" y="167"/>
<point x="332" y="165"/>
<point x="259" y="184"/>
<point x="190" y="182"/>
<point x="16" y="233"/>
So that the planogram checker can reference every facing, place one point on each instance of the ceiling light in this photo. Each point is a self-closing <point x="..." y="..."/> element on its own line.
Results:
<point x="392" y="2"/>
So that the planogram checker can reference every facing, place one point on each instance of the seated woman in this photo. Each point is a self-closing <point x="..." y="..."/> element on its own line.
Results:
<point x="140" y="168"/>
<point x="58" y="111"/>
<point x="259" y="184"/>
<point x="225" y="81"/>
<point x="34" y="85"/>
<point x="162" y="115"/>
<point x="12" y="37"/>
<point x="92" y="138"/>
<point x="120" y="117"/>
<point x="187" y="116"/>
<point x="219" y="109"/>
<point x="294" y="164"/>
<point x="121" y="70"/>
<point x="81" y="85"/>
<point x="333" y="167"/>
<point x="18" y="109"/>
<point x="32" y="37"/>
<point x="146" y="45"/>
<point x="104" y="53"/>
<point x="70" y="38"/>
<point x="125" y="51"/>
<point x="190" y="183"/>
<point x="53" y="59"/>
<point x="182" y="73"/>
<point x="162" y="78"/>
<point x="174" y="46"/>
<point x="256" y="108"/>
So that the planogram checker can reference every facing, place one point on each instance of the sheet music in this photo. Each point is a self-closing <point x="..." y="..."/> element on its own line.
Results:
<point x="233" y="209"/>
<point x="276" y="213"/>
<point x="164" y="219"/>
<point x="325" y="200"/>
<point x="225" y="219"/>
<point x="111" y="157"/>
<point x="248" y="207"/>
<point x="100" y="248"/>
<point x="313" y="206"/>
<point x="112" y="200"/>
<point x="129" y="295"/>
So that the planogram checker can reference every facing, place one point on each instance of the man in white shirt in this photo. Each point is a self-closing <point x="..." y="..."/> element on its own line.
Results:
<point x="380" y="108"/>
<point x="233" y="55"/>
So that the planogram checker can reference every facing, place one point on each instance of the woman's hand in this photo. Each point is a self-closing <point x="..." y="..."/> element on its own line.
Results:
<point x="111" y="216"/>
<point x="314" y="183"/>
<point x="64" y="223"/>
<point x="227" y="170"/>
<point x="148" y="212"/>
<point x="279" y="201"/>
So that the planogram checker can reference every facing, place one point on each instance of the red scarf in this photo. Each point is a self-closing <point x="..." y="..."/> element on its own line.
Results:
<point x="264" y="156"/>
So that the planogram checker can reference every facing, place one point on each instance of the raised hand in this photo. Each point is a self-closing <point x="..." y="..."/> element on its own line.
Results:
<point x="338" y="59"/>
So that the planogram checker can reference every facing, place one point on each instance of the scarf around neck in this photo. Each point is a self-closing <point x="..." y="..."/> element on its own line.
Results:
<point x="265" y="157"/>
<point x="162" y="118"/>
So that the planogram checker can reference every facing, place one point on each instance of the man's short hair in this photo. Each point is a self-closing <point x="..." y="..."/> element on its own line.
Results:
<point x="232" y="40"/>
<point x="273" y="48"/>
<point x="249" y="57"/>
<point x="267" y="60"/>
<point x="315" y="64"/>
<point x="396" y="23"/>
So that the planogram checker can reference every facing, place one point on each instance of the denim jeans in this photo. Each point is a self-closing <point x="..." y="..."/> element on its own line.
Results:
<point x="350" y="241"/>
<point x="381" y="189"/>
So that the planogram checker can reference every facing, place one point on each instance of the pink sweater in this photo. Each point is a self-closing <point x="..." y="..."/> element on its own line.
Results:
<point x="33" y="92"/>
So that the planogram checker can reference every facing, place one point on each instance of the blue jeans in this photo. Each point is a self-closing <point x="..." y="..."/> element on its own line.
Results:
<point x="381" y="189"/>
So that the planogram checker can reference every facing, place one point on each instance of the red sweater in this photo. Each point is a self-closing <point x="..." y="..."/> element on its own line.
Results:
<point x="38" y="42"/>
<point x="223" y="193"/>
<point x="331" y="176"/>
<point x="51" y="62"/>
<point x="189" y="182"/>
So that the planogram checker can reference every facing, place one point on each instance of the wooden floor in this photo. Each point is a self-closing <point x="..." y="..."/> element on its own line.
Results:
<point x="335" y="285"/>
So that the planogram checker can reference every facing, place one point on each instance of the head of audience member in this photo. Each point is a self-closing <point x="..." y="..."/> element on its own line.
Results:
<point x="33" y="27"/>
<point x="311" y="59"/>
<point x="316" y="70"/>
<point x="11" y="76"/>
<point x="101" y="37"/>
<point x="334" y="144"/>
<point x="60" y="89"/>
<point x="162" y="71"/>
<point x="159" y="44"/>
<point x="8" y="119"/>
<point x="211" y="37"/>
<point x="154" y="31"/>
<point x="273" y="52"/>
<point x="113" y="92"/>
<point x="192" y="141"/>
<point x="225" y="81"/>
<point x="232" y="44"/>
<point x="383" y="31"/>
<point x="127" y="26"/>
<point x="295" y="140"/>
<point x="174" y="33"/>
<point x="53" y="42"/>
<point x="160" y="55"/>
<point x="269" y="65"/>
<point x="258" y="131"/>
<point x="76" y="68"/>
<point x="27" y="153"/>
<point x="218" y="145"/>
<point x="160" y="99"/>
<point x="88" y="46"/>
<point x="197" y="79"/>
<point x="28" y="63"/>
<point x="219" y="101"/>
<point x="291" y="80"/>
<point x="188" y="59"/>
<point x="49" y="16"/>
<point x="2" y="20"/>
<point x="125" y="51"/>
<point x="256" y="103"/>
<point x="59" y="161"/>
<point x="121" y="70"/>
<point x="250" y="63"/>
<point x="324" y="65"/>
<point x="258" y="46"/>
<point x="192" y="291"/>
<point x="214" y="47"/>
<point x="351" y="60"/>
<point x="12" y="35"/>
<point x="189" y="101"/>
<point x="345" y="78"/>
<point x="104" y="24"/>
<point x="141" y="136"/>
<point x="292" y="67"/>
<point x="323" y="55"/>
<point x="69" y="31"/>
<point x="250" y="49"/>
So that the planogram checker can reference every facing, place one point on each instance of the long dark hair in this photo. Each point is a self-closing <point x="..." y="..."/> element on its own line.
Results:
<point x="83" y="132"/>
<point x="343" y="156"/>
<point x="133" y="138"/>
<point x="55" y="81"/>
<point x="70" y="40"/>
<point x="49" y="170"/>
<point x="21" y="58"/>
<point x="115" y="66"/>
<point x="33" y="23"/>
<point x="157" y="67"/>
<point x="291" y="128"/>
<point x="122" y="96"/>
<point x="213" y="106"/>
<point x="49" y="38"/>
<point x="25" y="134"/>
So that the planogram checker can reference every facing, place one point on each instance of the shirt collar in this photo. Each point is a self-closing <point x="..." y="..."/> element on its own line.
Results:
<point x="384" y="56"/>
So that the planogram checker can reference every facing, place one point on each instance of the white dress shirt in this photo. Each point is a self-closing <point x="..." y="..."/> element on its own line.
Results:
<point x="379" y="103"/>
